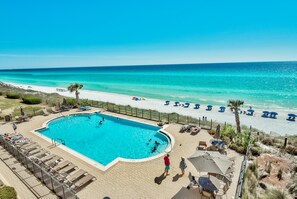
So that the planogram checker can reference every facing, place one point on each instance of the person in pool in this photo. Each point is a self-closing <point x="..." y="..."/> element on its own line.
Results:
<point x="155" y="146"/>
<point x="100" y="123"/>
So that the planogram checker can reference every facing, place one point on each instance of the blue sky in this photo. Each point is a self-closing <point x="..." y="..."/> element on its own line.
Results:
<point x="59" y="33"/>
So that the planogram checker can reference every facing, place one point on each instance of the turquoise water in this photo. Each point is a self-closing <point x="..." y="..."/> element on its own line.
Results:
<point x="104" y="143"/>
<point x="262" y="85"/>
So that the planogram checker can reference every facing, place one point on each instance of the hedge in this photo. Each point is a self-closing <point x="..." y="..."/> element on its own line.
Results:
<point x="13" y="95"/>
<point x="31" y="100"/>
<point x="7" y="192"/>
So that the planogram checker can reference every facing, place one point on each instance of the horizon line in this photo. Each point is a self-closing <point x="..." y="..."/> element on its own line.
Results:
<point x="125" y="65"/>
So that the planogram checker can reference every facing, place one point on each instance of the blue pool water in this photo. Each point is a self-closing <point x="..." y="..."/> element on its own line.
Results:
<point x="104" y="143"/>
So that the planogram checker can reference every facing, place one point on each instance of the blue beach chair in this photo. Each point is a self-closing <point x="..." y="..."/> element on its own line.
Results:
<point x="265" y="114"/>
<point x="250" y="112"/>
<point x="209" y="107"/>
<point x="167" y="102"/>
<point x="176" y="103"/>
<point x="187" y="104"/>
<point x="273" y="115"/>
<point x="222" y="109"/>
<point x="197" y="106"/>
<point x="291" y="117"/>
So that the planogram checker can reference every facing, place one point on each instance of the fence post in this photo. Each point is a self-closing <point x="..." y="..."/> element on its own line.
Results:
<point x="210" y="124"/>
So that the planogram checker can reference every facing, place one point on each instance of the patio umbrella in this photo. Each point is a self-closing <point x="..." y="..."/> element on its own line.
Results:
<point x="208" y="163"/>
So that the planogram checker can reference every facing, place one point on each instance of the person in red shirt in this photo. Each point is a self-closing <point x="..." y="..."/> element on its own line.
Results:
<point x="167" y="164"/>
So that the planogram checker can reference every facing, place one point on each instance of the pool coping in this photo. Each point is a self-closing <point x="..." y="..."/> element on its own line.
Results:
<point x="171" y="142"/>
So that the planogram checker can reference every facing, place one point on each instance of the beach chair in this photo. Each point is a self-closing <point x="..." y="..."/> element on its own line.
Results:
<point x="45" y="113"/>
<point x="197" y="106"/>
<point x="83" y="181"/>
<point x="209" y="107"/>
<point x="176" y="103"/>
<point x="68" y="169"/>
<point x="187" y="104"/>
<point x="29" y="148"/>
<point x="195" y="130"/>
<point x="46" y="158"/>
<point x="77" y="175"/>
<point x="40" y="154"/>
<point x="222" y="109"/>
<point x="167" y="102"/>
<point x="84" y="108"/>
<point x="53" y="161"/>
<point x="202" y="145"/>
<point x="53" y="109"/>
<point x="61" y="165"/>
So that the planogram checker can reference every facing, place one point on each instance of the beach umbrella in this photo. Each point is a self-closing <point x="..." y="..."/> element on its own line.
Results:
<point x="208" y="163"/>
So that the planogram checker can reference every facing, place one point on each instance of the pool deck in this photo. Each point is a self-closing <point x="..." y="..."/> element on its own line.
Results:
<point x="126" y="179"/>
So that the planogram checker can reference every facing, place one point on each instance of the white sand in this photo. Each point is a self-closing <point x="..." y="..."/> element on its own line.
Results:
<point x="276" y="126"/>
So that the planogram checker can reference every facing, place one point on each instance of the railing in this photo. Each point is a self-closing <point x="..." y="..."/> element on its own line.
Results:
<point x="152" y="114"/>
<point x="240" y="182"/>
<point x="59" y="140"/>
<point x="50" y="181"/>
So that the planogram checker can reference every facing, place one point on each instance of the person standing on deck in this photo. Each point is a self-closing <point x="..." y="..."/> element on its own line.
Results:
<point x="167" y="164"/>
<point x="182" y="166"/>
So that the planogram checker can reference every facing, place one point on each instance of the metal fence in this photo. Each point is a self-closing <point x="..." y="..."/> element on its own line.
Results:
<point x="150" y="114"/>
<point x="50" y="181"/>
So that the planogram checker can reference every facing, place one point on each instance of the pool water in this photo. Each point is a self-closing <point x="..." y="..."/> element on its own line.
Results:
<point x="113" y="138"/>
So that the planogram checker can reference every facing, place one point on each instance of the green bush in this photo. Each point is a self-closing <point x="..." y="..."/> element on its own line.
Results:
<point x="238" y="149"/>
<point x="13" y="95"/>
<point x="256" y="151"/>
<point x="7" y="192"/>
<point x="291" y="150"/>
<point x="226" y="140"/>
<point x="1" y="93"/>
<point x="31" y="100"/>
<point x="267" y="141"/>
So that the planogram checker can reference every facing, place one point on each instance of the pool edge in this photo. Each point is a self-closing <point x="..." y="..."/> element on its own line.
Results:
<point x="115" y="161"/>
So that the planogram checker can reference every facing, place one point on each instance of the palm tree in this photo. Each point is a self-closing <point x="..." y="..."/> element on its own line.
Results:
<point x="74" y="88"/>
<point x="234" y="105"/>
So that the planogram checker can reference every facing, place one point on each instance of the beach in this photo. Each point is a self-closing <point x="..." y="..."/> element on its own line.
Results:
<point x="279" y="126"/>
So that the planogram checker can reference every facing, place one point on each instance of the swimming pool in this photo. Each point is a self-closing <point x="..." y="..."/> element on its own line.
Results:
<point x="105" y="142"/>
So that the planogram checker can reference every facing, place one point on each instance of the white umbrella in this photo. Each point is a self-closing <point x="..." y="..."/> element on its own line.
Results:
<point x="206" y="162"/>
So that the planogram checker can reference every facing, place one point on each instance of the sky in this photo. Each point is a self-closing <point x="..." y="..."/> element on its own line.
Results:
<point x="57" y="33"/>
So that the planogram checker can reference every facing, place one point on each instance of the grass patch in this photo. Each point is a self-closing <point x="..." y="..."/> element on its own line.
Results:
<point x="7" y="192"/>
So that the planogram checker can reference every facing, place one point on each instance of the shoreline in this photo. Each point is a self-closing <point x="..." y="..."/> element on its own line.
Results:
<point x="279" y="126"/>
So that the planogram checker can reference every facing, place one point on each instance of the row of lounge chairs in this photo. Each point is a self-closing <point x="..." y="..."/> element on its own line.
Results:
<point x="63" y="170"/>
<point x="192" y="129"/>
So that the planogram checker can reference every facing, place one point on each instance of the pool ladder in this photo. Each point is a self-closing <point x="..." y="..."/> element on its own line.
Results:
<point x="58" y="140"/>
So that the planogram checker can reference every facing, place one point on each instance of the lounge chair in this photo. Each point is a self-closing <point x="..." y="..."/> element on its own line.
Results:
<point x="202" y="145"/>
<point x="46" y="158"/>
<point x="27" y="149"/>
<point x="209" y="107"/>
<point x="195" y="130"/>
<point x="67" y="169"/>
<point x="222" y="109"/>
<point x="53" y="109"/>
<point x="61" y="165"/>
<point x="167" y="102"/>
<point x="187" y="104"/>
<point x="176" y="103"/>
<point x="40" y="154"/>
<point x="197" y="106"/>
<point x="53" y="161"/>
<point x="84" y="108"/>
<point x="73" y="177"/>
<point x="45" y="113"/>
<point x="83" y="181"/>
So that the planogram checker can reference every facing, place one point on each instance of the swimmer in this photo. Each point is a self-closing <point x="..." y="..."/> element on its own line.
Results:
<point x="103" y="118"/>
<point x="154" y="149"/>
<point x="149" y="141"/>
<point x="100" y="123"/>
<point x="157" y="143"/>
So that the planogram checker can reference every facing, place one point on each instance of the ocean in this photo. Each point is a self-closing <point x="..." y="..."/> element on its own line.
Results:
<point x="265" y="85"/>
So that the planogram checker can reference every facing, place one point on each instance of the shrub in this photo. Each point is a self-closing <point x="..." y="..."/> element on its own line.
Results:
<point x="7" y="192"/>
<point x="226" y="140"/>
<point x="275" y="194"/>
<point x="69" y="101"/>
<point x="1" y="93"/>
<point x="13" y="95"/>
<point x="267" y="141"/>
<point x="238" y="149"/>
<point x="256" y="151"/>
<point x="291" y="150"/>
<point x="31" y="100"/>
